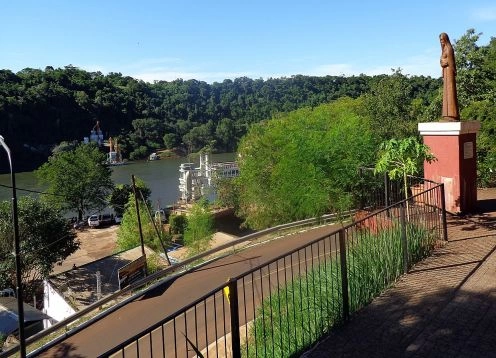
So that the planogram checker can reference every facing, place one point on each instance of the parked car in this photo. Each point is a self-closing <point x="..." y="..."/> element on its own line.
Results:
<point x="106" y="219"/>
<point x="93" y="221"/>
<point x="80" y="224"/>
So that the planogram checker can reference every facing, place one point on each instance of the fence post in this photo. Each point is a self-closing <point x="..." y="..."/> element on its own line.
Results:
<point x="344" y="276"/>
<point x="234" y="310"/>
<point x="443" y="213"/>
<point x="404" y="243"/>
<point x="362" y="189"/>
<point x="386" y="190"/>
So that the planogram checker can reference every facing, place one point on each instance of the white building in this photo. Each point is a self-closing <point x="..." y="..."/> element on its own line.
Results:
<point x="196" y="182"/>
<point x="72" y="290"/>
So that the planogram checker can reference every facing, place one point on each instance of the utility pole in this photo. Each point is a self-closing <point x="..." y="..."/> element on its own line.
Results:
<point x="138" y="215"/>
<point x="17" y="254"/>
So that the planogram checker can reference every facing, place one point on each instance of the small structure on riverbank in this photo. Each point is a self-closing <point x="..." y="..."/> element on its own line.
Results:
<point x="70" y="291"/>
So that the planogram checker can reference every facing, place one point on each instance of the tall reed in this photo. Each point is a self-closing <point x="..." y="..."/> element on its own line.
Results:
<point x="296" y="315"/>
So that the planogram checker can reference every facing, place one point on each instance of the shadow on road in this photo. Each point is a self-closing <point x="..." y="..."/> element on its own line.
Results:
<point x="159" y="290"/>
<point x="63" y="350"/>
<point x="210" y="267"/>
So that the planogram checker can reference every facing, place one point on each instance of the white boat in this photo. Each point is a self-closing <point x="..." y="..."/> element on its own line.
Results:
<point x="154" y="156"/>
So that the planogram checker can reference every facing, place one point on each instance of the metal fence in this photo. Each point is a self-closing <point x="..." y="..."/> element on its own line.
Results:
<point x="282" y="307"/>
<point x="378" y="191"/>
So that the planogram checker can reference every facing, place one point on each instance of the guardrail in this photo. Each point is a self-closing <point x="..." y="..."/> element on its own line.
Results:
<point x="281" y="307"/>
<point x="156" y="279"/>
<point x="131" y="292"/>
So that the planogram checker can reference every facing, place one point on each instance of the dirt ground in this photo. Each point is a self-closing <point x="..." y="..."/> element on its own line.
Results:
<point x="96" y="243"/>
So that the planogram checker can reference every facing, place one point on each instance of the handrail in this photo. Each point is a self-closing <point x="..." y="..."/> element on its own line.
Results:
<point x="234" y="279"/>
<point x="408" y="175"/>
<point x="156" y="276"/>
<point x="171" y="269"/>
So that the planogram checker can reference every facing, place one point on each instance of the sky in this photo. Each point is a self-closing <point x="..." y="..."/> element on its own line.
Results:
<point x="213" y="40"/>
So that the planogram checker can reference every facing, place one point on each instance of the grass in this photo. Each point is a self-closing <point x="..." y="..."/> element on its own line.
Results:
<point x="295" y="316"/>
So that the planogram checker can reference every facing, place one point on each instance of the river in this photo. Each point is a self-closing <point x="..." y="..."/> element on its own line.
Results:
<point x="161" y="176"/>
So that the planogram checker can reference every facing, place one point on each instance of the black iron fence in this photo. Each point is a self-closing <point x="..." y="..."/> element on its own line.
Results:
<point x="282" y="307"/>
<point x="378" y="190"/>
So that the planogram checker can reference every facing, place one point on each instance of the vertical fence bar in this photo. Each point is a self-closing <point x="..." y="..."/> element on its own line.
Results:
<point x="404" y="243"/>
<point x="233" y="304"/>
<point x="344" y="276"/>
<point x="386" y="189"/>
<point x="362" y="188"/>
<point x="443" y="213"/>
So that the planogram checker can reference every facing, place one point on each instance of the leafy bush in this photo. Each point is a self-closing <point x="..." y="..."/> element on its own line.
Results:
<point x="154" y="263"/>
<point x="200" y="228"/>
<point x="178" y="224"/>
<point x="302" y="164"/>
<point x="139" y="153"/>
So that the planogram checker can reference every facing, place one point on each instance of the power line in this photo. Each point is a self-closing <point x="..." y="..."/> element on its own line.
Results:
<point x="30" y="190"/>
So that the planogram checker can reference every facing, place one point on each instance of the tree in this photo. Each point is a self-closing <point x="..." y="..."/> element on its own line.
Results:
<point x="64" y="147"/>
<point x="170" y="140"/>
<point x="225" y="132"/>
<point x="178" y="224"/>
<point x="400" y="158"/>
<point x="302" y="164"/>
<point x="45" y="238"/>
<point x="77" y="180"/>
<point x="199" y="229"/>
<point x="485" y="112"/>
<point x="121" y="192"/>
<point x="128" y="235"/>
<point x="227" y="192"/>
<point x="389" y="105"/>
<point x="472" y="78"/>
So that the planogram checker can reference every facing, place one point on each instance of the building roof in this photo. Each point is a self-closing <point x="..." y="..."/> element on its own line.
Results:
<point x="79" y="285"/>
<point x="9" y="315"/>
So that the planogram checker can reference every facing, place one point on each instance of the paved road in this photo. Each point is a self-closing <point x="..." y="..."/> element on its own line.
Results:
<point x="174" y="295"/>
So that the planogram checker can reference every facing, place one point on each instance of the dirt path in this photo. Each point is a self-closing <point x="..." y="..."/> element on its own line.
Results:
<point x="97" y="243"/>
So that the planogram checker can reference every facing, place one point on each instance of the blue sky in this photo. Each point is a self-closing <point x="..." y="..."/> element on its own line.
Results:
<point x="211" y="40"/>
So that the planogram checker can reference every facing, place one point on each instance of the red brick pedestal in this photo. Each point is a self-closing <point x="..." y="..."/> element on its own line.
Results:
<point x="454" y="145"/>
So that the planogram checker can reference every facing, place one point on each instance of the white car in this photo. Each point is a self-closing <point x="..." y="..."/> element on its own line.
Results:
<point x="93" y="221"/>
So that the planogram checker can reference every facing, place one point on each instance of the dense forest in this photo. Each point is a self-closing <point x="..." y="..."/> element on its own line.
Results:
<point x="41" y="108"/>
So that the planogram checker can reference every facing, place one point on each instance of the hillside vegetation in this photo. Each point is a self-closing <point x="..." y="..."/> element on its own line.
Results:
<point x="41" y="108"/>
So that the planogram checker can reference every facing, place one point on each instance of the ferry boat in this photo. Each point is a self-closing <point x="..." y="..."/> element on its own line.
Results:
<point x="196" y="182"/>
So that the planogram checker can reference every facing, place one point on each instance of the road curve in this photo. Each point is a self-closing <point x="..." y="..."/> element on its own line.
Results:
<point x="172" y="296"/>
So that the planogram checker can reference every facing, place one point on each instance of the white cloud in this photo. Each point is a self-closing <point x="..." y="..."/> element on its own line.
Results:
<point x="152" y="75"/>
<point x="485" y="14"/>
<point x="92" y="68"/>
<point x="426" y="64"/>
<point x="170" y="69"/>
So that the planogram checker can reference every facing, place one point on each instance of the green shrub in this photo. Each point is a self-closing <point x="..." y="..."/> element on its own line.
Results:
<point x="178" y="224"/>
<point x="154" y="263"/>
